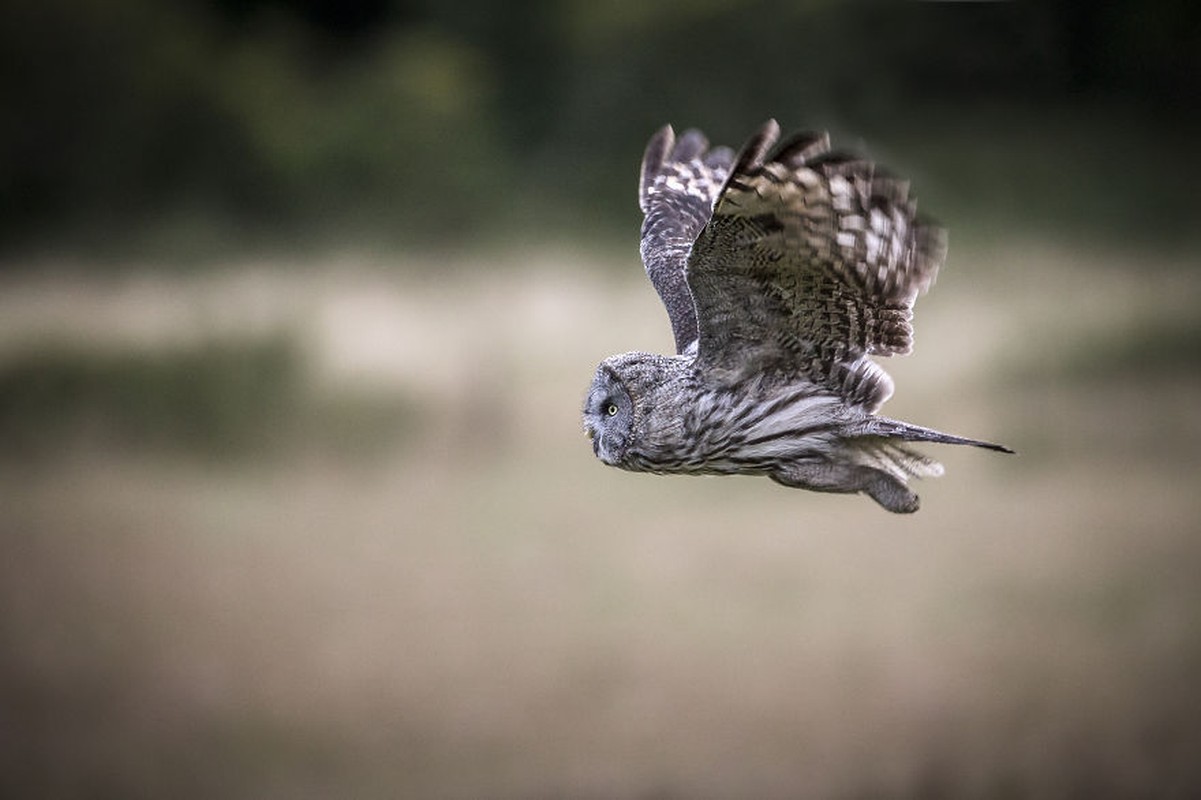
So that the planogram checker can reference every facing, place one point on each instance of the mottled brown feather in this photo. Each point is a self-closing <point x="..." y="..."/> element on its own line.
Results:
<point x="808" y="265"/>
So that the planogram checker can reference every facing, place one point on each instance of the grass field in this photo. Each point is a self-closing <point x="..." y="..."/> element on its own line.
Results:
<point x="403" y="574"/>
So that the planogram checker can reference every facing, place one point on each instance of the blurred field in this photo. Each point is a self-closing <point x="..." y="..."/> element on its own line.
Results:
<point x="379" y="560"/>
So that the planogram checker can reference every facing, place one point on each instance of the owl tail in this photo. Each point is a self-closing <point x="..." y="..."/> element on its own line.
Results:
<point x="884" y="466"/>
<point x="895" y="429"/>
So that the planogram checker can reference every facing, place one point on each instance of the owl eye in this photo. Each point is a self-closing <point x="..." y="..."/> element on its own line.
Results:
<point x="611" y="409"/>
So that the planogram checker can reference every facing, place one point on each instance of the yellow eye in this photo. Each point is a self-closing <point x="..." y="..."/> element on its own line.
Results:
<point x="611" y="409"/>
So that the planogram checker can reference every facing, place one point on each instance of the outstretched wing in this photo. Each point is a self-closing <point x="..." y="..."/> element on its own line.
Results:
<point x="810" y="263"/>
<point x="679" y="182"/>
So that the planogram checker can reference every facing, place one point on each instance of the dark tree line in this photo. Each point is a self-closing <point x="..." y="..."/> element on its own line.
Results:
<point x="414" y="121"/>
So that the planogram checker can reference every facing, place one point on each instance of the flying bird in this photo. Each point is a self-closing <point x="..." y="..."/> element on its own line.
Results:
<point x="783" y="272"/>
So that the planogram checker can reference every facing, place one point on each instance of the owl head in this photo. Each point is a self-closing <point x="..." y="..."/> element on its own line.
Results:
<point x="609" y="416"/>
<point x="620" y="411"/>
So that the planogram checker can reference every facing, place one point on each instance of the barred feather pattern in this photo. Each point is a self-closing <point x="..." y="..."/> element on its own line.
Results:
<point x="679" y="181"/>
<point x="811" y="261"/>
<point x="741" y="431"/>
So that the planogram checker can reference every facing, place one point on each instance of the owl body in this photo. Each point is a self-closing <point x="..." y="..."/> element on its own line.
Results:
<point x="781" y="276"/>
<point x="658" y="414"/>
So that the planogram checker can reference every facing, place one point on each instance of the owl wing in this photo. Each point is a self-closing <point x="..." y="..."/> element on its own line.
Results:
<point x="810" y="263"/>
<point x="679" y="182"/>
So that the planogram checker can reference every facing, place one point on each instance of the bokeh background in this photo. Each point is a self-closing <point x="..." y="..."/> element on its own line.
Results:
<point x="298" y="303"/>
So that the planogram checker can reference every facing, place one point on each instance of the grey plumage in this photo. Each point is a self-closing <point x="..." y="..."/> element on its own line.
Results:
<point x="782" y="273"/>
<point x="677" y="188"/>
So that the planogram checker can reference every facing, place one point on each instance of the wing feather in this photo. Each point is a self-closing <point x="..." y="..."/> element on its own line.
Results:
<point x="810" y="262"/>
<point x="679" y="181"/>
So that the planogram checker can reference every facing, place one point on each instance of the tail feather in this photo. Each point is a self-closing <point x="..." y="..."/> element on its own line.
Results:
<point x="878" y="464"/>
<point x="882" y="426"/>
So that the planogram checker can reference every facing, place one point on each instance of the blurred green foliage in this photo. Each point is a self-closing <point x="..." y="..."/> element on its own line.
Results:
<point x="415" y="123"/>
<point x="217" y="396"/>
<point x="220" y="399"/>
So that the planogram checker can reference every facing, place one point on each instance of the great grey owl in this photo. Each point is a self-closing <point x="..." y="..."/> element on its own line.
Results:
<point x="782" y="273"/>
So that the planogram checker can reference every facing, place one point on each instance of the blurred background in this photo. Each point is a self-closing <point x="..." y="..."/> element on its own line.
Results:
<point x="298" y="303"/>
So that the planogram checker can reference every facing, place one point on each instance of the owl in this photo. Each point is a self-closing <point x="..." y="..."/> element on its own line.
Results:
<point x="783" y="272"/>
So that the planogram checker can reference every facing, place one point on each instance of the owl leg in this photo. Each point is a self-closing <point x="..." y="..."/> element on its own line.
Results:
<point x="832" y="476"/>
